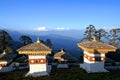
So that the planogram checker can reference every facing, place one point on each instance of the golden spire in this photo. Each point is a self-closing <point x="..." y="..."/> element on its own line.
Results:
<point x="62" y="50"/>
<point x="4" y="52"/>
<point x="38" y="40"/>
<point x="95" y="38"/>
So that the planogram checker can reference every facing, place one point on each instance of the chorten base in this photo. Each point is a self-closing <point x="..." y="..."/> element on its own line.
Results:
<point x="93" y="67"/>
<point x="62" y="66"/>
<point x="35" y="74"/>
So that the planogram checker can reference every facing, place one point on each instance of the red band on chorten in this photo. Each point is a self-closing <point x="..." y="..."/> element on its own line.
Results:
<point x="37" y="61"/>
<point x="96" y="58"/>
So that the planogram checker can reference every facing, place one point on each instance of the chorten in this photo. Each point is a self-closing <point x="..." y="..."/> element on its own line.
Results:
<point x="62" y="58"/>
<point x="94" y="55"/>
<point x="6" y="60"/>
<point x="37" y="53"/>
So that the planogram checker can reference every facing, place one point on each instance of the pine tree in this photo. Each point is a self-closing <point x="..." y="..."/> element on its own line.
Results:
<point x="89" y="33"/>
<point x="25" y="39"/>
<point x="114" y="37"/>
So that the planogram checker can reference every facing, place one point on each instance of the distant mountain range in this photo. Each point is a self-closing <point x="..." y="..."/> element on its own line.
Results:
<point x="67" y="33"/>
<point x="59" y="41"/>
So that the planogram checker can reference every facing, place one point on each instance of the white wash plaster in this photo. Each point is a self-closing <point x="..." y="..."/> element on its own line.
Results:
<point x="37" y="68"/>
<point x="3" y="62"/>
<point x="62" y="66"/>
<point x="94" y="67"/>
<point x="36" y="57"/>
<point x="43" y="72"/>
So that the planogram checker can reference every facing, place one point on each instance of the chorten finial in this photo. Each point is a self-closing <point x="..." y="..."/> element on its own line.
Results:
<point x="38" y="40"/>
<point x="4" y="52"/>
<point x="95" y="38"/>
<point x="62" y="50"/>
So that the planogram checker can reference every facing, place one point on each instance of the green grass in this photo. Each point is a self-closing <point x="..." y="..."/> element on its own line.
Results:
<point x="73" y="73"/>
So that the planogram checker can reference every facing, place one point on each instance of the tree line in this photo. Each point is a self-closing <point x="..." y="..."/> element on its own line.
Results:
<point x="112" y="36"/>
<point x="6" y="39"/>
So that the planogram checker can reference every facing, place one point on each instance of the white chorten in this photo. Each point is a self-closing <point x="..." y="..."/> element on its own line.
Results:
<point x="94" y="55"/>
<point x="37" y="53"/>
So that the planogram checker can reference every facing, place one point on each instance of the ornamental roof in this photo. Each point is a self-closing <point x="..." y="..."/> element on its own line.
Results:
<point x="7" y="56"/>
<point x="35" y="48"/>
<point x="96" y="46"/>
<point x="62" y="55"/>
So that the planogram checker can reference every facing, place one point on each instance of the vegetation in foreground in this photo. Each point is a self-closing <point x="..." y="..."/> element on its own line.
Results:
<point x="74" y="73"/>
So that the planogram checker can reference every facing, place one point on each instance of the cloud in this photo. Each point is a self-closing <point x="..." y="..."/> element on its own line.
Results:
<point x="41" y="29"/>
<point x="46" y="29"/>
<point x="62" y="28"/>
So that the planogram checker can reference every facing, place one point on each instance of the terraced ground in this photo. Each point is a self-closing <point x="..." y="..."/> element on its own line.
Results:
<point x="74" y="73"/>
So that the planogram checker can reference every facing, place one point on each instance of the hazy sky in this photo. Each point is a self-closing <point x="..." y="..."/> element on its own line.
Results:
<point x="59" y="14"/>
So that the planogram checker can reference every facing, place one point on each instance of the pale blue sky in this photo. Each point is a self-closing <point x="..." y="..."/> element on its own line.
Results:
<point x="59" y="14"/>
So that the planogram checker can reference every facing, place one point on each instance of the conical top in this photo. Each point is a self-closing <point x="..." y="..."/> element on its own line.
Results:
<point x="62" y="50"/>
<point x="95" y="39"/>
<point x="38" y="40"/>
<point x="4" y="52"/>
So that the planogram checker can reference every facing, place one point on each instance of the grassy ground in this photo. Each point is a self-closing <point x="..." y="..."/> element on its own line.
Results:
<point x="73" y="73"/>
